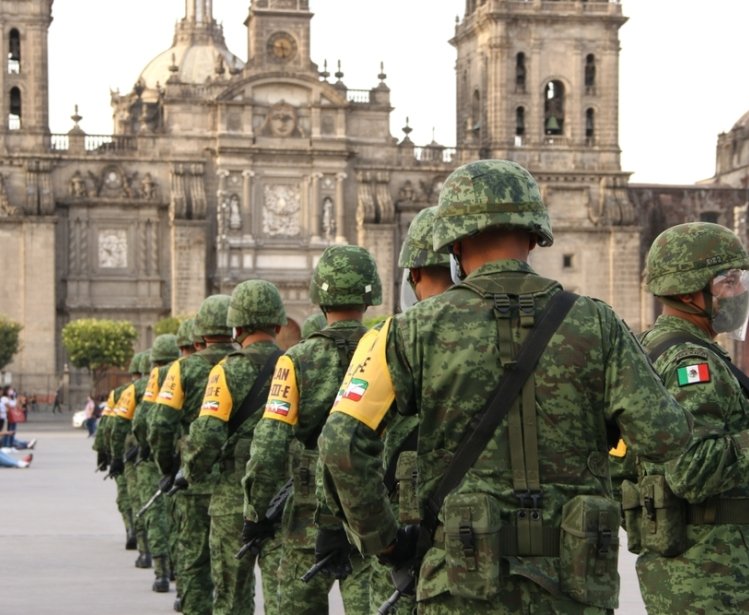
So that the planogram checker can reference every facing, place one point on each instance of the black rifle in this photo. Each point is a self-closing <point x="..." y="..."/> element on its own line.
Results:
<point x="404" y="581"/>
<point x="273" y="514"/>
<point x="131" y="453"/>
<point x="315" y="570"/>
<point x="148" y="504"/>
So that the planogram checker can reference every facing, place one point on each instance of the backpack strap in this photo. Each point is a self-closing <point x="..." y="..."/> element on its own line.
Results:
<point x="258" y="393"/>
<point x="483" y="425"/>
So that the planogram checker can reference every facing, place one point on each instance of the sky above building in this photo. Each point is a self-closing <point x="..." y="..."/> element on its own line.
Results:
<point x="680" y="81"/>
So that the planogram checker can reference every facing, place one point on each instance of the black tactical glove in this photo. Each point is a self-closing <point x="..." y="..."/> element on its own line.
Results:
<point x="180" y="483"/>
<point x="102" y="460"/>
<point x="335" y="543"/>
<point x="166" y="482"/>
<point x="257" y="530"/>
<point x="403" y="549"/>
<point x="116" y="467"/>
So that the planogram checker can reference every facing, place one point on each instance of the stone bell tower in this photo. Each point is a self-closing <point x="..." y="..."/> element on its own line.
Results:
<point x="538" y="83"/>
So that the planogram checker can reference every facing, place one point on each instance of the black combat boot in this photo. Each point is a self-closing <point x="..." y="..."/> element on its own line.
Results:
<point x="161" y="583"/>
<point x="178" y="604"/>
<point x="131" y="542"/>
<point x="143" y="561"/>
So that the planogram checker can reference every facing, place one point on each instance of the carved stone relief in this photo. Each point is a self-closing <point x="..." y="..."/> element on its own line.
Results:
<point x="281" y="121"/>
<point x="112" y="248"/>
<point x="281" y="210"/>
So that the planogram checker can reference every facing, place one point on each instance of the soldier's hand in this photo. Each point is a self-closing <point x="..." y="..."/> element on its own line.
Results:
<point x="403" y="549"/>
<point x="335" y="542"/>
<point x="102" y="460"/>
<point x="166" y="482"/>
<point x="116" y="467"/>
<point x="180" y="483"/>
<point x="257" y="530"/>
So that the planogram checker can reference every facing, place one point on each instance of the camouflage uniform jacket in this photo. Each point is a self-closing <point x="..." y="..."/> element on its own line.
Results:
<point x="178" y="405"/>
<point x="442" y="359"/>
<point x="716" y="562"/>
<point x="124" y="410"/>
<point x="209" y="441"/>
<point x="147" y="403"/>
<point x="102" y="439"/>
<point x="304" y="387"/>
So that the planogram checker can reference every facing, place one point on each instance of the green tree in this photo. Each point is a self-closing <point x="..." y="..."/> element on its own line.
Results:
<point x="170" y="324"/>
<point x="98" y="345"/>
<point x="9" y="340"/>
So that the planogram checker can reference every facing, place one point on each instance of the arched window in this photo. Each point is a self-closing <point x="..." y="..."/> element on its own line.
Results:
<point x="14" y="117"/>
<point x="590" y="125"/>
<point x="14" y="52"/>
<point x="554" y="108"/>
<point x="590" y="73"/>
<point x="520" y="72"/>
<point x="476" y="111"/>
<point x="520" y="121"/>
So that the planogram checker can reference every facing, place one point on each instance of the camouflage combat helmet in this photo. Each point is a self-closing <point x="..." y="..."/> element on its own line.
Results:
<point x="145" y="361"/>
<point x="489" y="193"/>
<point x="211" y="317"/>
<point x="255" y="304"/>
<point x="345" y="275"/>
<point x="418" y="249"/>
<point x="135" y="364"/>
<point x="164" y="348"/>
<point x="315" y="322"/>
<point x="184" y="333"/>
<point x="684" y="258"/>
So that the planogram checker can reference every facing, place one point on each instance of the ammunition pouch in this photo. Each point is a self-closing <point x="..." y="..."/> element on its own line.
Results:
<point x="406" y="476"/>
<point x="589" y="550"/>
<point x="664" y="527"/>
<point x="632" y="512"/>
<point x="472" y="539"/>
<point x="303" y="468"/>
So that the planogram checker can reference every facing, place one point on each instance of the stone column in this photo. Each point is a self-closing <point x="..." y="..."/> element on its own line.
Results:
<point x="222" y="215"/>
<point x="315" y="206"/>
<point x="339" y="208"/>
<point x="247" y="201"/>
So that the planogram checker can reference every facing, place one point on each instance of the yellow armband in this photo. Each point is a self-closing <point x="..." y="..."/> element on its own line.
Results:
<point x="283" y="399"/>
<point x="171" y="393"/>
<point x="217" y="401"/>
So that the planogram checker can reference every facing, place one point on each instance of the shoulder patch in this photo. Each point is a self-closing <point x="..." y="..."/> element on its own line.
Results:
<point x="694" y="351"/>
<point x="695" y="373"/>
<point x="283" y="398"/>
<point x="126" y="405"/>
<point x="152" y="388"/>
<point x="171" y="393"/>
<point x="367" y="391"/>
<point x="217" y="401"/>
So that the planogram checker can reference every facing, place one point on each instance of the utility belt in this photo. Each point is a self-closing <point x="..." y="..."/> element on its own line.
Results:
<point x="657" y="520"/>
<point x="508" y="541"/>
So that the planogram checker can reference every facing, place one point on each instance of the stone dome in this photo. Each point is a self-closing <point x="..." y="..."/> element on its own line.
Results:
<point x="198" y="50"/>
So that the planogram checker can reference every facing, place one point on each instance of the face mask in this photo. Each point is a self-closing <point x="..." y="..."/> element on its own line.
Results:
<point x="456" y="271"/>
<point x="730" y="313"/>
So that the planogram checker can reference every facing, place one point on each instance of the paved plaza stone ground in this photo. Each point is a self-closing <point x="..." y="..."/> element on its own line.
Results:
<point x="63" y="540"/>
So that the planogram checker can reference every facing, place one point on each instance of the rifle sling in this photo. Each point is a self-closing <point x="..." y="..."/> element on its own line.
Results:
<point x="249" y="405"/>
<point x="483" y="425"/>
<point x="681" y="338"/>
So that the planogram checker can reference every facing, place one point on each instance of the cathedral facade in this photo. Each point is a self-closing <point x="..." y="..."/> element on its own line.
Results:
<point x="219" y="169"/>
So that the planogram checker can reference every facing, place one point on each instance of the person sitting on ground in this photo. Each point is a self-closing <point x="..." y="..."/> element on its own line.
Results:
<point x="6" y="461"/>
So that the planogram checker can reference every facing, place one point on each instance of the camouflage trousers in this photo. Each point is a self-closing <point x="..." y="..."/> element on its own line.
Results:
<point x="133" y="494"/>
<point x="711" y="576"/>
<point x="155" y="518"/>
<point x="517" y="595"/>
<point x="194" y="556"/>
<point x="381" y="588"/>
<point x="312" y="598"/>
<point x="233" y="579"/>
<point x="268" y="562"/>
<point x="123" y="503"/>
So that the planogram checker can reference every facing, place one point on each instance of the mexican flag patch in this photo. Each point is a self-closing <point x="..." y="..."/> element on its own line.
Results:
<point x="692" y="374"/>
<point x="355" y="390"/>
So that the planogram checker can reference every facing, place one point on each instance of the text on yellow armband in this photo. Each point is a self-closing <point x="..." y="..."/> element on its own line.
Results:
<point x="152" y="388"/>
<point x="283" y="399"/>
<point x="171" y="393"/>
<point x="367" y="391"/>
<point x="125" y="408"/>
<point x="217" y="401"/>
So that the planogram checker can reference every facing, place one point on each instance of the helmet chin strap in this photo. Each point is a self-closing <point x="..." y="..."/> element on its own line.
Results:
<point x="690" y="308"/>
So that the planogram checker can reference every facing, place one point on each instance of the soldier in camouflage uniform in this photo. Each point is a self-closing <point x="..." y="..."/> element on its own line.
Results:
<point x="305" y="384"/>
<point x="179" y="404"/>
<point x="163" y="352"/>
<point x="313" y="322"/>
<point x="692" y="530"/>
<point x="428" y="274"/>
<point x="531" y="526"/>
<point x="220" y="436"/>
<point x="102" y="446"/>
<point x="123" y="452"/>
